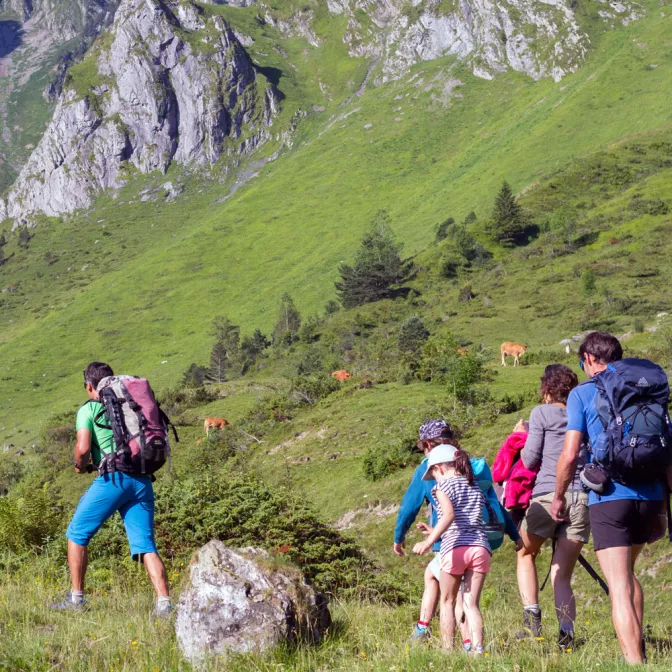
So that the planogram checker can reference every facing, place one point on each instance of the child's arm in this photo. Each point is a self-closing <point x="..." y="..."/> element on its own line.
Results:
<point x="441" y="526"/>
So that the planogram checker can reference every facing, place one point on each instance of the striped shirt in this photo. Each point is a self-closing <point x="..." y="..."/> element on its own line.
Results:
<point x="467" y="528"/>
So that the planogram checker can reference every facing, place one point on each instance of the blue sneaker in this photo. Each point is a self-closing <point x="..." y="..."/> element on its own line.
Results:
<point x="163" y="611"/>
<point x="67" y="604"/>
<point x="419" y="635"/>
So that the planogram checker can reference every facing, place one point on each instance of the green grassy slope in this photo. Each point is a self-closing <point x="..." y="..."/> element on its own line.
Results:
<point x="288" y="229"/>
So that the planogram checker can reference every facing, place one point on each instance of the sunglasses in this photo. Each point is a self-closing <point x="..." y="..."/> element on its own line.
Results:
<point x="581" y="364"/>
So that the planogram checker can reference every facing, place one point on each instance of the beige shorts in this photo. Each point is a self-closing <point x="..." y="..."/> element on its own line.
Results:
<point x="538" y="518"/>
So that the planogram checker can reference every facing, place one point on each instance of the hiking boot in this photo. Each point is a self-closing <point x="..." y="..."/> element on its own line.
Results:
<point x="419" y="635"/>
<point x="531" y="625"/>
<point x="163" y="611"/>
<point x="566" y="641"/>
<point x="67" y="604"/>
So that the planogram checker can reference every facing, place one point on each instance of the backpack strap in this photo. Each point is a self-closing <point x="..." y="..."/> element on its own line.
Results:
<point x="669" y="510"/>
<point x="584" y="563"/>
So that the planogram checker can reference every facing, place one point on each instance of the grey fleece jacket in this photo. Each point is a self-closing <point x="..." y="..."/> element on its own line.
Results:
<point x="545" y="440"/>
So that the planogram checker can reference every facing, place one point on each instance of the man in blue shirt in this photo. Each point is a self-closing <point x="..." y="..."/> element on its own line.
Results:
<point x="623" y="517"/>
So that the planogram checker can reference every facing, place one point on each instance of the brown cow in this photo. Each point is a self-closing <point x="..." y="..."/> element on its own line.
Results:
<point x="341" y="375"/>
<point x="214" y="423"/>
<point x="514" y="350"/>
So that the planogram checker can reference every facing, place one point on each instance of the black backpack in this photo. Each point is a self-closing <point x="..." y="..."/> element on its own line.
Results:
<point x="635" y="446"/>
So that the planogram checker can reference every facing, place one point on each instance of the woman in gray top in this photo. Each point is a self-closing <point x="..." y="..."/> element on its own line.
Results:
<point x="542" y="450"/>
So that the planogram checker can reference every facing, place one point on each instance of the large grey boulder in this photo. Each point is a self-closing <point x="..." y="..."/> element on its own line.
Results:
<point x="241" y="602"/>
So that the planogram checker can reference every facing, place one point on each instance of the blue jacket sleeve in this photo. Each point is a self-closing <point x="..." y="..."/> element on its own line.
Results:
<point x="410" y="504"/>
<point x="510" y="527"/>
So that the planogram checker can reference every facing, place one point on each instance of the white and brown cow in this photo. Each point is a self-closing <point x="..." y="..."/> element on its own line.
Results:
<point x="514" y="350"/>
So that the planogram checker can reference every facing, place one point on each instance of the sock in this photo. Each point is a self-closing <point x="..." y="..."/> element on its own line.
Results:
<point x="466" y="644"/>
<point x="531" y="607"/>
<point x="77" y="596"/>
<point x="162" y="600"/>
<point x="422" y="625"/>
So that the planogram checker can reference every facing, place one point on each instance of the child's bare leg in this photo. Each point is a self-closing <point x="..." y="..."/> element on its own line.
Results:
<point x="461" y="617"/>
<point x="450" y="587"/>
<point x="430" y="596"/>
<point x="473" y="585"/>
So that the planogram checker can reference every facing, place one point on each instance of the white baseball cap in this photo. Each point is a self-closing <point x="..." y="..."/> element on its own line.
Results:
<point x="443" y="453"/>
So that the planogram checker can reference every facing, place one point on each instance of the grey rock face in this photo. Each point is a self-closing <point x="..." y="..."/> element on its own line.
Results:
<point x="541" y="38"/>
<point x="169" y="86"/>
<point x="236" y="602"/>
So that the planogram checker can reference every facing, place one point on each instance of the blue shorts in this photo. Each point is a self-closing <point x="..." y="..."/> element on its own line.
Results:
<point x="132" y="496"/>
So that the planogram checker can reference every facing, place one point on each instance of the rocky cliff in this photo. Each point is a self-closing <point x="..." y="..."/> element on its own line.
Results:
<point x="166" y="84"/>
<point x="540" y="38"/>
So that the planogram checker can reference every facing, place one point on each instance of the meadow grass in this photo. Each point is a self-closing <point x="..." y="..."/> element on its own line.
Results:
<point x="289" y="229"/>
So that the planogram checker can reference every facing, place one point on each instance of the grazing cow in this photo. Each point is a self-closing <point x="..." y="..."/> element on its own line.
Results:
<point x="214" y="423"/>
<point x="514" y="350"/>
<point x="462" y="352"/>
<point x="280" y="417"/>
<point x="341" y="375"/>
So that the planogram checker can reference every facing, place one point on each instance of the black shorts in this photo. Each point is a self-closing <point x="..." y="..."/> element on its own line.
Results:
<point x="623" y="522"/>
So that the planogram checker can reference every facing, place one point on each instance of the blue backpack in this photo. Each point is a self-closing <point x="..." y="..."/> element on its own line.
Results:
<point x="635" y="444"/>
<point x="493" y="517"/>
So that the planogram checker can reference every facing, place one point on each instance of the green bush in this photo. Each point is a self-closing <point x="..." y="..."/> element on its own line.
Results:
<point x="380" y="461"/>
<point x="311" y="388"/>
<point x="242" y="511"/>
<point x="412" y="335"/>
<point x="29" y="523"/>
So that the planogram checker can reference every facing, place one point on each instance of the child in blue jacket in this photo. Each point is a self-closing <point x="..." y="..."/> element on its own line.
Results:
<point x="432" y="433"/>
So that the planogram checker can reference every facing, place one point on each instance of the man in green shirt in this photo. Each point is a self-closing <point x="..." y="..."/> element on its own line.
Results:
<point x="131" y="495"/>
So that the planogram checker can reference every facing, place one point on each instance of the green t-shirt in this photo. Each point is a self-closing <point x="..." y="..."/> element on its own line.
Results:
<point x="102" y="441"/>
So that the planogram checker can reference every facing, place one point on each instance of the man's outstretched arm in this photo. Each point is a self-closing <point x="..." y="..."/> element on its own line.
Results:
<point x="82" y="450"/>
<point x="409" y="509"/>
<point x="564" y="474"/>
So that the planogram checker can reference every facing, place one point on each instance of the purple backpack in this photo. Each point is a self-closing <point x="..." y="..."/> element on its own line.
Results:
<point x="139" y="426"/>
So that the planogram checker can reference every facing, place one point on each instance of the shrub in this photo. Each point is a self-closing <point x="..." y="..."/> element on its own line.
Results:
<point x="28" y="523"/>
<point x="194" y="376"/>
<point x="380" y="461"/>
<point x="466" y="293"/>
<point x="588" y="282"/>
<point x="310" y="389"/>
<point x="443" y="229"/>
<point x="241" y="511"/>
<point x="331" y="307"/>
<point x="450" y="267"/>
<point x="311" y="362"/>
<point x="412" y="334"/>
<point x="175" y="402"/>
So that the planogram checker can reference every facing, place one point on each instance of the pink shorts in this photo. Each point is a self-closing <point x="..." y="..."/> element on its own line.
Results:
<point x="463" y="558"/>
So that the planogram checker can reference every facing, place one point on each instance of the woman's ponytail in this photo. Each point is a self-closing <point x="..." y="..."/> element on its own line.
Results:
<point x="463" y="466"/>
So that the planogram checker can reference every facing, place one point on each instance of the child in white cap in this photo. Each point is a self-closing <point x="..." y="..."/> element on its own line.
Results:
<point x="465" y="552"/>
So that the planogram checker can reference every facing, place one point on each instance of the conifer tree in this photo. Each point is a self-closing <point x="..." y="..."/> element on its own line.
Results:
<point x="289" y="321"/>
<point x="378" y="266"/>
<point x="507" y="225"/>
<point x="225" y="355"/>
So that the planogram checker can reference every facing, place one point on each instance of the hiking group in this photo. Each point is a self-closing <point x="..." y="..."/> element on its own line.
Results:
<point x="594" y="457"/>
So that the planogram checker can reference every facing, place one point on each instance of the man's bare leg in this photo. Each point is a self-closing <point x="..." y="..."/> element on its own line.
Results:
<point x="625" y="593"/>
<point x="77" y="563"/>
<point x="157" y="573"/>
